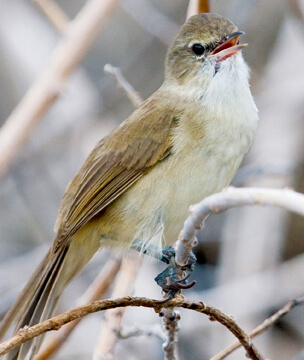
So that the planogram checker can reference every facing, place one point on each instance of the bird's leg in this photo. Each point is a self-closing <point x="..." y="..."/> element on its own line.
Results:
<point x="152" y="251"/>
<point x="175" y="277"/>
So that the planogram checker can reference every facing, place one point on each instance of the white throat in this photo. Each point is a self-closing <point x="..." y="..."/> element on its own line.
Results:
<point x="228" y="94"/>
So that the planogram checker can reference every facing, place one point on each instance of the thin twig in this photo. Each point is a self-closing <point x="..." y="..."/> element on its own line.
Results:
<point x="132" y="94"/>
<point x="95" y="291"/>
<point x="170" y="320"/>
<point x="67" y="55"/>
<point x="229" y="198"/>
<point x="266" y="324"/>
<point x="57" y="322"/>
<point x="54" y="14"/>
<point x="197" y="6"/>
<point x="156" y="331"/>
<point x="110" y="328"/>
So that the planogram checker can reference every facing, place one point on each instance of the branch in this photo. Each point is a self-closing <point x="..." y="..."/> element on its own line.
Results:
<point x="229" y="198"/>
<point x="170" y="319"/>
<point x="153" y="21"/>
<point x="197" y="6"/>
<point x="95" y="291"/>
<point x="54" y="14"/>
<point x="261" y="328"/>
<point x="297" y="8"/>
<point x="57" y="322"/>
<point x="66" y="56"/>
<point x="156" y="331"/>
<point x="122" y="82"/>
<point x="110" y="329"/>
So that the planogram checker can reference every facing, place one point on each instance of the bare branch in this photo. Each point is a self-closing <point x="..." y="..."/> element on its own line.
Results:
<point x="229" y="198"/>
<point x="122" y="82"/>
<point x="170" y="319"/>
<point x="54" y="14"/>
<point x="95" y="291"/>
<point x="261" y="328"/>
<point x="197" y="6"/>
<point x="67" y="55"/>
<point x="110" y="328"/>
<point x="140" y="331"/>
<point x="57" y="322"/>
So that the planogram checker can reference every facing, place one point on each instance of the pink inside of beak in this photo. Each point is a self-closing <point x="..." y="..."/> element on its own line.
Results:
<point x="226" y="45"/>
<point x="228" y="48"/>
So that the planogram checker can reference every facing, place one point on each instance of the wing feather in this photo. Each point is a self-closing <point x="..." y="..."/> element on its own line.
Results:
<point x="118" y="160"/>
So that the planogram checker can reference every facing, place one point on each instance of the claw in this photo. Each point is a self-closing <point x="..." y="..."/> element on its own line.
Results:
<point x="170" y="279"/>
<point x="187" y="286"/>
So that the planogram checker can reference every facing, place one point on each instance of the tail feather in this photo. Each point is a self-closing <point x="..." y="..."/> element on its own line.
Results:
<point x="24" y="298"/>
<point x="39" y="300"/>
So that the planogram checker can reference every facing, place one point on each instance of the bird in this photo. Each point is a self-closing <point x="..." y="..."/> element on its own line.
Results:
<point x="184" y="143"/>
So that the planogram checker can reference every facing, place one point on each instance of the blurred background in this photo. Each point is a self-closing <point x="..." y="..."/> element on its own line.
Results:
<point x="250" y="260"/>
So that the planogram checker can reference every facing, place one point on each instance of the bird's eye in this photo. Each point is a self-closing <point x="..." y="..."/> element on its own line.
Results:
<point x="198" y="49"/>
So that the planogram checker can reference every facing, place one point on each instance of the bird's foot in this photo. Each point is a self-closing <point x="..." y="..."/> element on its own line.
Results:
<point x="175" y="277"/>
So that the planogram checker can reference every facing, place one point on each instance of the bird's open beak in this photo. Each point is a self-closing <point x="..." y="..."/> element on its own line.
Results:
<point x="230" y="46"/>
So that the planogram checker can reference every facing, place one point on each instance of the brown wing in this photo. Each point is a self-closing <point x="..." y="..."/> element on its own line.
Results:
<point x="117" y="161"/>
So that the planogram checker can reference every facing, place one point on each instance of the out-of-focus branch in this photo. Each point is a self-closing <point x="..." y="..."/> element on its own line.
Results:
<point x="57" y="322"/>
<point x="297" y="8"/>
<point x="122" y="82"/>
<point x="197" y="6"/>
<point x="155" y="331"/>
<point x="229" y="198"/>
<point x="95" y="291"/>
<point x="79" y="35"/>
<point x="261" y="328"/>
<point x="110" y="329"/>
<point x="153" y="21"/>
<point x="54" y="14"/>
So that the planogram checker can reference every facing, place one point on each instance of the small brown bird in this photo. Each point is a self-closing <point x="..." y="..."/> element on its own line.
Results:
<point x="182" y="144"/>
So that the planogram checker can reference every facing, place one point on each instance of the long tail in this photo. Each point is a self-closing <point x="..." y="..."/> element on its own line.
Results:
<point x="36" y="302"/>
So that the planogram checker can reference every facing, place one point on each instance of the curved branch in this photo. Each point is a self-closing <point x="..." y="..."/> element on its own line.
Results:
<point x="57" y="322"/>
<point x="229" y="198"/>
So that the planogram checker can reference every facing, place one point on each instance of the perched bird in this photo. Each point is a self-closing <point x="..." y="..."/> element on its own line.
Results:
<point x="185" y="142"/>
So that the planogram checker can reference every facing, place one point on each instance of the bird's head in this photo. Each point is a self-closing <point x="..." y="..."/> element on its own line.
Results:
<point x="199" y="51"/>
